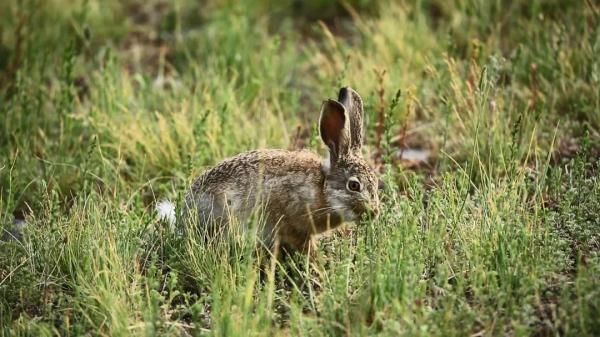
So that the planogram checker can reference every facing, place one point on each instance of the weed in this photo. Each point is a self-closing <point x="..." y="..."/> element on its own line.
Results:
<point x="108" y="106"/>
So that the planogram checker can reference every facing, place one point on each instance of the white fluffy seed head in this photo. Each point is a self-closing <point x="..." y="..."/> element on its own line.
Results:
<point x="165" y="211"/>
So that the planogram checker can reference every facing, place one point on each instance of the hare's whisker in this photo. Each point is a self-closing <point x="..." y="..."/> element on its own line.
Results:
<point x="325" y="210"/>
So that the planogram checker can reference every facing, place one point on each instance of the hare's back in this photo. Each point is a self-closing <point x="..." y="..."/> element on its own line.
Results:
<point x="245" y="168"/>
<point x="288" y="179"/>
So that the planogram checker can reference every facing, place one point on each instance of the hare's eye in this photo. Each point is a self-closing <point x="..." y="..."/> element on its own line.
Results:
<point x="353" y="185"/>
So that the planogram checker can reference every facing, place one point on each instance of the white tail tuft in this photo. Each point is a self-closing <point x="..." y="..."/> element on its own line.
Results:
<point x="165" y="211"/>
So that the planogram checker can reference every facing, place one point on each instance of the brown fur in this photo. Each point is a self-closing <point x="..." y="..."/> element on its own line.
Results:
<point x="354" y="105"/>
<point x="298" y="195"/>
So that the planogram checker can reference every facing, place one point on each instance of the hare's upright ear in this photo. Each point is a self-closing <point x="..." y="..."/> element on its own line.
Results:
<point x="354" y="105"/>
<point x="334" y="127"/>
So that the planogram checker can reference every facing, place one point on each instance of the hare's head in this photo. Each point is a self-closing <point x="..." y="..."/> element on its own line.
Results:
<point x="350" y="183"/>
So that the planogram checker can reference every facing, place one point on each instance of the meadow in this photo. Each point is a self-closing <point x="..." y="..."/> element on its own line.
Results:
<point x="483" y="118"/>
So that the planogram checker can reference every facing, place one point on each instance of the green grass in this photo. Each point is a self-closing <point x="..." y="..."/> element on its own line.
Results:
<point x="107" y="107"/>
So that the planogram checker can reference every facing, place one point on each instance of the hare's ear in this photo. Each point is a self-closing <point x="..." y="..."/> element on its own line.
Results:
<point x="354" y="105"/>
<point x="335" y="129"/>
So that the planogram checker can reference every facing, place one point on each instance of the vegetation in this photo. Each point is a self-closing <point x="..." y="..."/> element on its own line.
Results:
<point x="107" y="107"/>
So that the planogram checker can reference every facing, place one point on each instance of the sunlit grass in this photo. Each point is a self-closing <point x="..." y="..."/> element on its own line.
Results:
<point x="108" y="107"/>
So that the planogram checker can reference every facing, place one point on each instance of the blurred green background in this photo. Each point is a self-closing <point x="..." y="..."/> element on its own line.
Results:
<point x="482" y="116"/>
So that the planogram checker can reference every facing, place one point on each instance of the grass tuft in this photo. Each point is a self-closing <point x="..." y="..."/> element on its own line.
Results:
<point x="491" y="228"/>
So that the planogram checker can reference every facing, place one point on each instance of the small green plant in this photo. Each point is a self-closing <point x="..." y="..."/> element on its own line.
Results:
<point x="107" y="107"/>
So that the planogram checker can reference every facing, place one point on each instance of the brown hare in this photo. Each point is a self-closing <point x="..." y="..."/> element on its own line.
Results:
<point x="299" y="194"/>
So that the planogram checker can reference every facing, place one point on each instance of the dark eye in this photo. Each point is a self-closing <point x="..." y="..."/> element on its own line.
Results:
<point x="353" y="185"/>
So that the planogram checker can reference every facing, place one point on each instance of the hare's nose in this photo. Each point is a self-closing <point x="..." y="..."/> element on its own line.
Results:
<point x="376" y="211"/>
<point x="373" y="211"/>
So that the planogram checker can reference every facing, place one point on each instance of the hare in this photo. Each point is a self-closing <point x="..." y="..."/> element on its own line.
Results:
<point x="300" y="194"/>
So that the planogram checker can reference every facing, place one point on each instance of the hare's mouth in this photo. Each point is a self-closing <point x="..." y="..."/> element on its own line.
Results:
<point x="340" y="208"/>
<point x="348" y="215"/>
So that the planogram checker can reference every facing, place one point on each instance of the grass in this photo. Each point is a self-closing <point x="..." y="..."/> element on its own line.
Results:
<point x="109" y="106"/>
